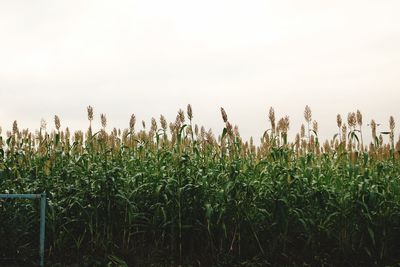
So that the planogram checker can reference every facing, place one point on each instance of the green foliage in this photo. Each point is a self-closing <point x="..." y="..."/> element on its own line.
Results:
<point x="136" y="199"/>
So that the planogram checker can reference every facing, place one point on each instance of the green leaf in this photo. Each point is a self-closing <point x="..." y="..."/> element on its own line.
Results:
<point x="224" y="131"/>
<point x="371" y="235"/>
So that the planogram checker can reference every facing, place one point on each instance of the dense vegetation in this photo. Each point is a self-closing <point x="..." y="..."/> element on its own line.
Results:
<point x="176" y="195"/>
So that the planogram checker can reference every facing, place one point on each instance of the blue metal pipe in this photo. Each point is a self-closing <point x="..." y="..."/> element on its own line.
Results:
<point x="26" y="196"/>
<point x="42" y="227"/>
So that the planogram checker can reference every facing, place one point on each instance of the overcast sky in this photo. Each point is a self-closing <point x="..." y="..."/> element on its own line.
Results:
<point x="153" y="57"/>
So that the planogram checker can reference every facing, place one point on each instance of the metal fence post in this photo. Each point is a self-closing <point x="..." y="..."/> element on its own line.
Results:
<point x="42" y="227"/>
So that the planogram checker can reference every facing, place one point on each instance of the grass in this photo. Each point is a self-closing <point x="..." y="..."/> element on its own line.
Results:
<point x="175" y="194"/>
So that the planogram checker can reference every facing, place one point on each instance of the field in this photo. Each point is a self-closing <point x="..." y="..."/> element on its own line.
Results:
<point x="172" y="194"/>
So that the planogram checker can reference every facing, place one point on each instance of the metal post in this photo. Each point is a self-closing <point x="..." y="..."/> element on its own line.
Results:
<point x="42" y="227"/>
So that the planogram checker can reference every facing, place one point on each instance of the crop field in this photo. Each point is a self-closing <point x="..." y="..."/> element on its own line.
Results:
<point x="176" y="194"/>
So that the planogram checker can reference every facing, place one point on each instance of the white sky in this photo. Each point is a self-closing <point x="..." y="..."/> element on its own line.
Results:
<point x="152" y="57"/>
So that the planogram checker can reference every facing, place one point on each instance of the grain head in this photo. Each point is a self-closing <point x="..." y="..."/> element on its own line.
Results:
<point x="224" y="115"/>
<point x="181" y="116"/>
<point x="351" y="119"/>
<point x="392" y="124"/>
<point x="57" y="122"/>
<point x="90" y="113"/>
<point x="315" y="126"/>
<point x="132" y="122"/>
<point x="307" y="114"/>
<point x="189" y="112"/>
<point x="163" y="122"/>
<point x="339" y="121"/>
<point x="359" y="118"/>
<point x="103" y="119"/>
<point x="271" y="117"/>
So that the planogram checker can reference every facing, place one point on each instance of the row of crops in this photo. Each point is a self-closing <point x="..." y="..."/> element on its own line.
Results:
<point x="173" y="194"/>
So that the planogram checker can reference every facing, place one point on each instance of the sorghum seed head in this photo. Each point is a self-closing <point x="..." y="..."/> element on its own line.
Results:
<point x="163" y="122"/>
<point x="236" y="131"/>
<point x="359" y="118"/>
<point x="224" y="115"/>
<point x="57" y="122"/>
<point x="181" y="115"/>
<point x="210" y="136"/>
<point x="189" y="130"/>
<point x="202" y="132"/>
<point x="189" y="112"/>
<point x="132" y="122"/>
<point x="373" y="128"/>
<point x="344" y="130"/>
<point x="339" y="120"/>
<point x="90" y="113"/>
<point x="271" y="116"/>
<point x="392" y="123"/>
<point x="178" y="121"/>
<point x="307" y="114"/>
<point x="283" y="124"/>
<point x="172" y="127"/>
<point x="287" y="121"/>
<point x="43" y="125"/>
<point x="67" y="133"/>
<point x="297" y="140"/>
<point x="229" y="128"/>
<point x="103" y="120"/>
<point x="315" y="126"/>
<point x="15" y="127"/>
<point x="153" y="124"/>
<point x="302" y="131"/>
<point x="351" y="119"/>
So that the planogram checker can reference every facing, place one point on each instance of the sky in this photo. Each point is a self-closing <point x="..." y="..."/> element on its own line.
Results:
<point x="152" y="57"/>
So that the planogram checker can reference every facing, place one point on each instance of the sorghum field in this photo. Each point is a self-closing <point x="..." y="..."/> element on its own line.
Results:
<point x="175" y="194"/>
